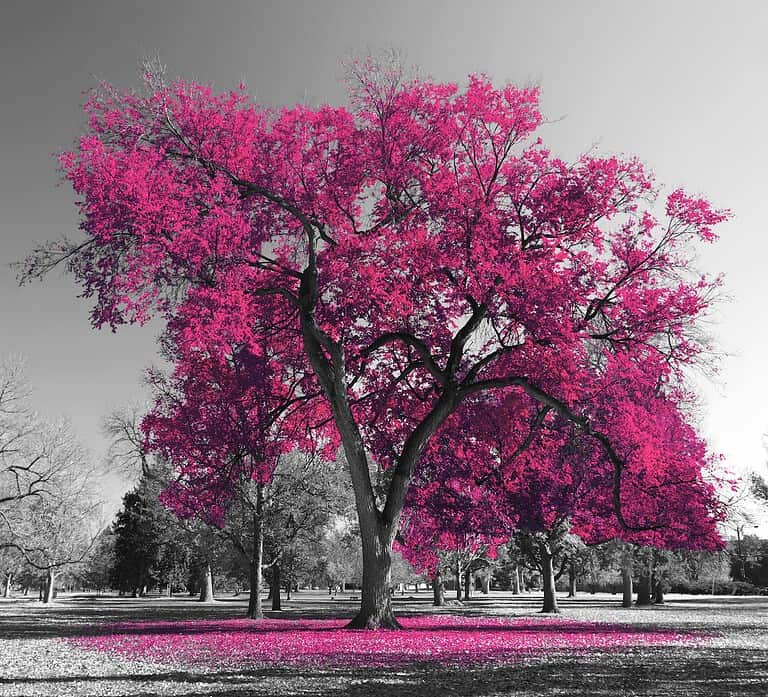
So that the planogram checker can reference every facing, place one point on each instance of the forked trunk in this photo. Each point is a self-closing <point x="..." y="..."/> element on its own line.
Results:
<point x="548" y="580"/>
<point x="626" y="585"/>
<point x="275" y="587"/>
<point x="438" y="589"/>
<point x="50" y="585"/>
<point x="206" y="584"/>
<point x="376" y="597"/>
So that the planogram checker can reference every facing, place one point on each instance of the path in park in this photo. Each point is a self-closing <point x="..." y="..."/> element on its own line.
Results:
<point x="35" y="658"/>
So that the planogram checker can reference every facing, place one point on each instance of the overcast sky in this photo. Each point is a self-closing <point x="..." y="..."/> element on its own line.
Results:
<point x="680" y="84"/>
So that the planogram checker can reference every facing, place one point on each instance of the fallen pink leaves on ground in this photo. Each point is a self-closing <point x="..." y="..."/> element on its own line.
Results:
<point x="444" y="639"/>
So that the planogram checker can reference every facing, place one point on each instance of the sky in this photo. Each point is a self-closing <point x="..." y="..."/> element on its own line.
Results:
<point x="680" y="84"/>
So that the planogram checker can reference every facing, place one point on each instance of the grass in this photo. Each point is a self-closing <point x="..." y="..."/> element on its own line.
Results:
<point x="495" y="645"/>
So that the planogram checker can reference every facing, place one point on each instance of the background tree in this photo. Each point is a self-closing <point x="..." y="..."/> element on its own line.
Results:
<point x="96" y="571"/>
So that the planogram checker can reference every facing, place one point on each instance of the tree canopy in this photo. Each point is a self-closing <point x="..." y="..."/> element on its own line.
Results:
<point x="415" y="258"/>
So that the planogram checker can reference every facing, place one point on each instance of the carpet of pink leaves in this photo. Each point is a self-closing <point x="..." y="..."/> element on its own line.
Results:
<point x="429" y="639"/>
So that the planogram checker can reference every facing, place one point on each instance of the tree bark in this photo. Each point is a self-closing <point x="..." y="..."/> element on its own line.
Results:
<point x="438" y="590"/>
<point x="275" y="587"/>
<point x="8" y="582"/>
<point x="516" y="581"/>
<point x="626" y="584"/>
<point x="206" y="584"/>
<point x="255" y="610"/>
<point x="658" y="592"/>
<point x="548" y="580"/>
<point x="50" y="585"/>
<point x="644" y="590"/>
<point x="487" y="582"/>
<point x="571" y="579"/>
<point x="376" y="598"/>
<point x="467" y="584"/>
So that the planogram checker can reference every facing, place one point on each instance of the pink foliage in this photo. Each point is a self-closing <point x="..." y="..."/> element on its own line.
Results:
<point x="423" y="263"/>
<point x="239" y="644"/>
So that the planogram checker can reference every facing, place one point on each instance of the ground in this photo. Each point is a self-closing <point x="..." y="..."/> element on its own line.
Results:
<point x="692" y="645"/>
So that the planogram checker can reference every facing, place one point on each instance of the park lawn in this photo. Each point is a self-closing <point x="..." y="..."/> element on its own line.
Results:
<point x="491" y="646"/>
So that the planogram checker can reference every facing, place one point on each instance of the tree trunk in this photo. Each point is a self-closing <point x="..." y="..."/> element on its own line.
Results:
<point x="516" y="581"/>
<point x="50" y="585"/>
<point x="571" y="579"/>
<point x="467" y="584"/>
<point x="255" y="610"/>
<point x="376" y="597"/>
<point x="206" y="584"/>
<point x="548" y="580"/>
<point x="275" y="587"/>
<point x="644" y="590"/>
<point x="658" y="593"/>
<point x="487" y="583"/>
<point x="626" y="584"/>
<point x="458" y="580"/>
<point x="438" y="590"/>
<point x="8" y="582"/>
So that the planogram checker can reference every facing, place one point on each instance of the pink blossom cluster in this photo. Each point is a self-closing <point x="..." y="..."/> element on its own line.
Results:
<point x="425" y="639"/>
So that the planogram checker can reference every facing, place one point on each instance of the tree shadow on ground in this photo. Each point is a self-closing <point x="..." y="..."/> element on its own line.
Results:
<point x="663" y="672"/>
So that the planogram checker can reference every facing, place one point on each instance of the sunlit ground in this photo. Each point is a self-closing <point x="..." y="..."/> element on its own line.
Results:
<point x="497" y="645"/>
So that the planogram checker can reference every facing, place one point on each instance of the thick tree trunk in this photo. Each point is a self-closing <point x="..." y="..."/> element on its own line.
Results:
<point x="571" y="580"/>
<point x="8" y="582"/>
<point x="658" y="593"/>
<point x="376" y="597"/>
<point x="487" y="583"/>
<point x="438" y="590"/>
<point x="50" y="585"/>
<point x="516" y="580"/>
<point x="206" y="584"/>
<point x="644" y="596"/>
<point x="548" y="580"/>
<point x="170" y="589"/>
<point x="275" y="587"/>
<point x="255" y="610"/>
<point x="626" y="584"/>
<point x="467" y="584"/>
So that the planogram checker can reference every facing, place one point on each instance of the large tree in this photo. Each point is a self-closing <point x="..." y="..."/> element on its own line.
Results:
<point x="411" y="251"/>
